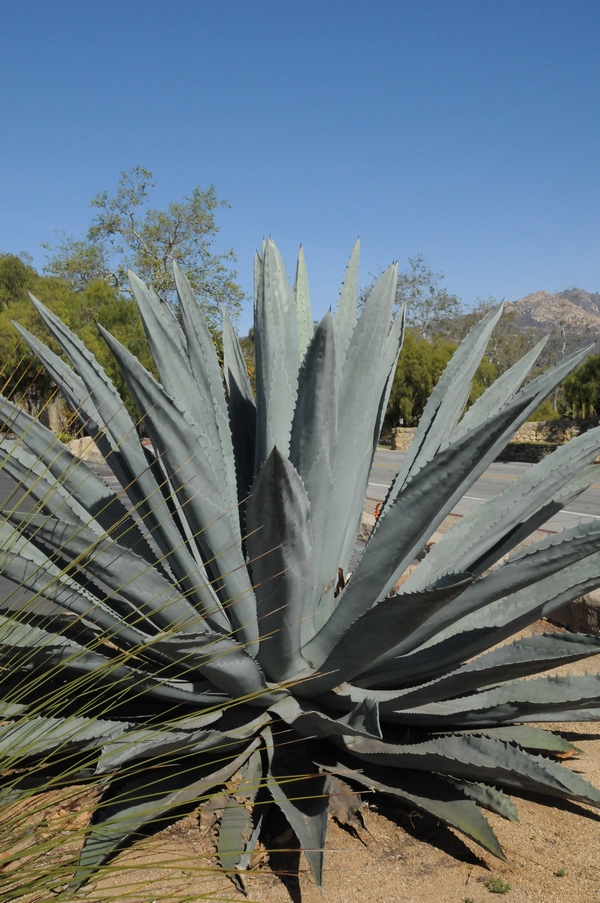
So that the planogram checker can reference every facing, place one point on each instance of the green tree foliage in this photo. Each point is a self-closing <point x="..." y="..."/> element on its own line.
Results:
<point x="581" y="390"/>
<point x="127" y="233"/>
<point x="429" y="305"/>
<point x="546" y="411"/>
<point x="428" y="302"/>
<point x="15" y="277"/>
<point x="98" y="302"/>
<point x="422" y="362"/>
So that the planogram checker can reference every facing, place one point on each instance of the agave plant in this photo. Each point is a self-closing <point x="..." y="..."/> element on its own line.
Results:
<point x="213" y="627"/>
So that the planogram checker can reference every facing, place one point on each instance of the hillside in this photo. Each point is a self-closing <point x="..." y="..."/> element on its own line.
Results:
<point x="573" y="313"/>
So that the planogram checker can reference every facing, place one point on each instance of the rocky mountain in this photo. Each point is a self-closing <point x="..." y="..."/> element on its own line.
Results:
<point x="571" y="316"/>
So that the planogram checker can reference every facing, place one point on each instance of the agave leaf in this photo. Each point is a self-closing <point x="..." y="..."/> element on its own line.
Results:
<point x="49" y="495"/>
<point x="175" y="740"/>
<point x="489" y="798"/>
<point x="512" y="537"/>
<point x="496" y="622"/>
<point x="475" y="543"/>
<point x="345" y="320"/>
<point x="314" y="438"/>
<point x="477" y="758"/>
<point x="302" y="299"/>
<point x="564" y="496"/>
<point x="529" y="655"/>
<point x="377" y="628"/>
<point x="258" y="275"/>
<point x="301" y="793"/>
<point x="533" y="739"/>
<point x="77" y="480"/>
<point x="35" y="736"/>
<point x="110" y="412"/>
<point x="149" y="594"/>
<point x="357" y="413"/>
<point x="509" y="702"/>
<point x="447" y="401"/>
<point x="28" y="567"/>
<point x="383" y="386"/>
<point x="29" y="644"/>
<point x="591" y="714"/>
<point x="193" y="393"/>
<point x="221" y="660"/>
<point x="443" y="799"/>
<point x="71" y="387"/>
<point x="175" y="436"/>
<point x="526" y="569"/>
<point x="501" y="391"/>
<point x="280" y="548"/>
<point x="207" y="374"/>
<point x="309" y="721"/>
<point x="364" y="718"/>
<point x="11" y="709"/>
<point x="277" y="357"/>
<point x="241" y="407"/>
<point x="110" y="425"/>
<point x="393" y="347"/>
<point x="160" y="324"/>
<point x="237" y="832"/>
<point x="146" y="798"/>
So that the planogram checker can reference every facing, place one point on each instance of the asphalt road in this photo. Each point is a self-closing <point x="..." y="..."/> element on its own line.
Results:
<point x="496" y="478"/>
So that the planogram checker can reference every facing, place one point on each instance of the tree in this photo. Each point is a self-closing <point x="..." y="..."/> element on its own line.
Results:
<point x="422" y="362"/>
<point x="127" y="233"/>
<point x="20" y="374"/>
<point x="21" y="377"/>
<point x="15" y="276"/>
<point x="428" y="303"/>
<point x="581" y="390"/>
<point x="420" y="366"/>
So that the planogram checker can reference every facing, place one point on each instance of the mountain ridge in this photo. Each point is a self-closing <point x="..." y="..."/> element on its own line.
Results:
<point x="574" y="312"/>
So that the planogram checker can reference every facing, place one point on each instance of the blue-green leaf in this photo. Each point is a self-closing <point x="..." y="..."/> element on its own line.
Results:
<point x="280" y="548"/>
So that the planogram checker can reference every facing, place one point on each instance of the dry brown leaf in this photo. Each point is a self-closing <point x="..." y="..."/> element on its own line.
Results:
<point x="345" y="806"/>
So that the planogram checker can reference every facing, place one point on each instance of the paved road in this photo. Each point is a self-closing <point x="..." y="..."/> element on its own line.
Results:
<point x="496" y="478"/>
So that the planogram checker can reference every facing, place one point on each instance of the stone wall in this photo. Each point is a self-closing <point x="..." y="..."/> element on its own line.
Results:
<point x="549" y="432"/>
<point x="402" y="436"/>
<point x="555" y="431"/>
<point x="526" y="452"/>
<point x="87" y="449"/>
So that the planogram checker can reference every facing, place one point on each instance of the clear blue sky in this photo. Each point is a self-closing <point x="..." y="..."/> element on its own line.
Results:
<point x="468" y="131"/>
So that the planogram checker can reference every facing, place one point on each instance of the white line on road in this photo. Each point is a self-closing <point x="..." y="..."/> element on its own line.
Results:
<point x="477" y="498"/>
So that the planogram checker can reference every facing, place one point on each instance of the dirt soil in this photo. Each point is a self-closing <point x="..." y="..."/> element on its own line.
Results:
<point x="403" y="855"/>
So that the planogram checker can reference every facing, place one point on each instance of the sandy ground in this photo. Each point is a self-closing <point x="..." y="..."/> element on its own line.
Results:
<point x="553" y="854"/>
<point x="403" y="855"/>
